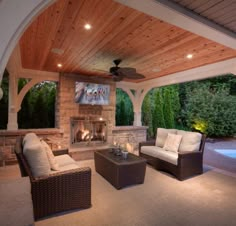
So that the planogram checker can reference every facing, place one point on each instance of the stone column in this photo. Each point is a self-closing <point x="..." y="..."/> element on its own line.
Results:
<point x="12" y="104"/>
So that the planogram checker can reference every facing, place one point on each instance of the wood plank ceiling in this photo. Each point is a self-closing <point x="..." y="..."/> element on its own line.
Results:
<point x="143" y="42"/>
<point x="221" y="12"/>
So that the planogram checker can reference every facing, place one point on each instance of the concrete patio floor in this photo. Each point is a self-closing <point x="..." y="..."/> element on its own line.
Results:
<point x="207" y="199"/>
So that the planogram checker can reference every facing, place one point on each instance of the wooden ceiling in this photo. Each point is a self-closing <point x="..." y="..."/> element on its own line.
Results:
<point x="143" y="42"/>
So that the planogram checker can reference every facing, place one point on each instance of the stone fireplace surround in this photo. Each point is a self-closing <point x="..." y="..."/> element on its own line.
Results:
<point x="67" y="109"/>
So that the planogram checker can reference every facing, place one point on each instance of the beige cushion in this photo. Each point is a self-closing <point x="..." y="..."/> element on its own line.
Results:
<point x="160" y="153"/>
<point x="36" y="157"/>
<point x="190" y="141"/>
<point x="30" y="137"/>
<point x="66" y="167"/>
<point x="172" y="142"/>
<point x="162" y="135"/>
<point x="51" y="158"/>
<point x="168" y="156"/>
<point x="150" y="150"/>
<point x="64" y="160"/>
<point x="16" y="206"/>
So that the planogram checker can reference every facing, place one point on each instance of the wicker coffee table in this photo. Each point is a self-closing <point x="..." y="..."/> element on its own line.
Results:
<point x="118" y="171"/>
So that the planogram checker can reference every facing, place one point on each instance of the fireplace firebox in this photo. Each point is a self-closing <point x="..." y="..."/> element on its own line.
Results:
<point x="86" y="131"/>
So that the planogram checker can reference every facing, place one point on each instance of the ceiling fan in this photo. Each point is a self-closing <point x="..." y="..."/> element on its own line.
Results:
<point x="118" y="73"/>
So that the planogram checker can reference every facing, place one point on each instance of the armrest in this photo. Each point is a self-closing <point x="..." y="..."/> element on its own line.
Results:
<point x="146" y="143"/>
<point x="190" y="158"/>
<point x="66" y="173"/>
<point x="61" y="191"/>
<point x="61" y="152"/>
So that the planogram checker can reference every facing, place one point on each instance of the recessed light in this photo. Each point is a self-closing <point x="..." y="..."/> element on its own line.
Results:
<point x="189" y="56"/>
<point x="87" y="26"/>
<point x="59" y="65"/>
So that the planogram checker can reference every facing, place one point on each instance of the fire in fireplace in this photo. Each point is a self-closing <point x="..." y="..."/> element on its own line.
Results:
<point x="87" y="131"/>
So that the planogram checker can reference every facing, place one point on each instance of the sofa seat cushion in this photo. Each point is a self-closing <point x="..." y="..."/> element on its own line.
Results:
<point x="160" y="153"/>
<point x="190" y="141"/>
<point x="65" y="168"/>
<point x="150" y="150"/>
<point x="168" y="156"/>
<point x="64" y="160"/>
<point x="36" y="157"/>
<point x="162" y="135"/>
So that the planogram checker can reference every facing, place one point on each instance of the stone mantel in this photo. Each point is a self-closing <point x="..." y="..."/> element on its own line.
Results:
<point x="129" y="128"/>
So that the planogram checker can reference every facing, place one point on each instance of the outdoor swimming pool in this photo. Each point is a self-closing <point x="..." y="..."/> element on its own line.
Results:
<point x="227" y="152"/>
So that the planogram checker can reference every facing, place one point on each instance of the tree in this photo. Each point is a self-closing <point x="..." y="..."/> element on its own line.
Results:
<point x="124" y="109"/>
<point x="158" y="117"/>
<point x="168" y="109"/>
<point x="211" y="110"/>
<point x="147" y="115"/>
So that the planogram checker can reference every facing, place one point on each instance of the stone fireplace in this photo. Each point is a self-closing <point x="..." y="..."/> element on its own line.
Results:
<point x="84" y="125"/>
<point x="87" y="131"/>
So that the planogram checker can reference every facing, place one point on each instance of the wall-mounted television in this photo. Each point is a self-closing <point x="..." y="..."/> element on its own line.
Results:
<point x="91" y="93"/>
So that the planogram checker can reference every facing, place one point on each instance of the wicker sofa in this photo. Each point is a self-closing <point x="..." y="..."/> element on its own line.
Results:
<point x="67" y="188"/>
<point x="186" y="162"/>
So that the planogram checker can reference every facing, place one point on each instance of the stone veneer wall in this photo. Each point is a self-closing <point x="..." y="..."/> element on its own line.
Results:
<point x="129" y="135"/>
<point x="8" y="141"/>
<point x="67" y="108"/>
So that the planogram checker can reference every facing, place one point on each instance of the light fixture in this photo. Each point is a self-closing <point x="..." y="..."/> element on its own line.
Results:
<point x="59" y="65"/>
<point x="87" y="26"/>
<point x="100" y="119"/>
<point x="189" y="56"/>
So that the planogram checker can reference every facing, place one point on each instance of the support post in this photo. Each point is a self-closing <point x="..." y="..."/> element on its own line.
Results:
<point x="12" y="104"/>
<point x="137" y="118"/>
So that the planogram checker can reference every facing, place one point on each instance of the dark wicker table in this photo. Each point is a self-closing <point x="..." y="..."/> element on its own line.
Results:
<point x="118" y="171"/>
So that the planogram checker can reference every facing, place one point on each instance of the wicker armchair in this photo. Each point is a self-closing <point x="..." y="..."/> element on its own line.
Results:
<point x="189" y="163"/>
<point x="59" y="192"/>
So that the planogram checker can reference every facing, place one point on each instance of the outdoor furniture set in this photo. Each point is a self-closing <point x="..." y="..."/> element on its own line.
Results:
<point x="175" y="151"/>
<point x="59" y="184"/>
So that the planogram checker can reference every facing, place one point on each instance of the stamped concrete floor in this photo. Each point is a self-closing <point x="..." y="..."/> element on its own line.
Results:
<point x="207" y="199"/>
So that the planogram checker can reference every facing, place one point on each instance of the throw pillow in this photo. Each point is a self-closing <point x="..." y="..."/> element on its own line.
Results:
<point x="162" y="135"/>
<point x="172" y="142"/>
<point x="51" y="158"/>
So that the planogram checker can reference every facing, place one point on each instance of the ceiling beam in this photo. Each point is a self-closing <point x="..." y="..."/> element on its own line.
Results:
<point x="180" y="17"/>
<point x="199" y="73"/>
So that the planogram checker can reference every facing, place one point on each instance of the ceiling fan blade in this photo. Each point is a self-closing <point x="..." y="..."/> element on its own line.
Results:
<point x="117" y="78"/>
<point x="126" y="70"/>
<point x="100" y="70"/>
<point x="134" y="76"/>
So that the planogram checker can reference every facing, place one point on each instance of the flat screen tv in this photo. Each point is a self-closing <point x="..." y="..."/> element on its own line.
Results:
<point x="91" y="93"/>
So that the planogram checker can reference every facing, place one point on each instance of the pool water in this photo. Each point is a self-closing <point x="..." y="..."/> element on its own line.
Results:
<point x="227" y="152"/>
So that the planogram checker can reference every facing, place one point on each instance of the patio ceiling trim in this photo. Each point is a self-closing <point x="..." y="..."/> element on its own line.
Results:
<point x="184" y="19"/>
<point x="204" y="72"/>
